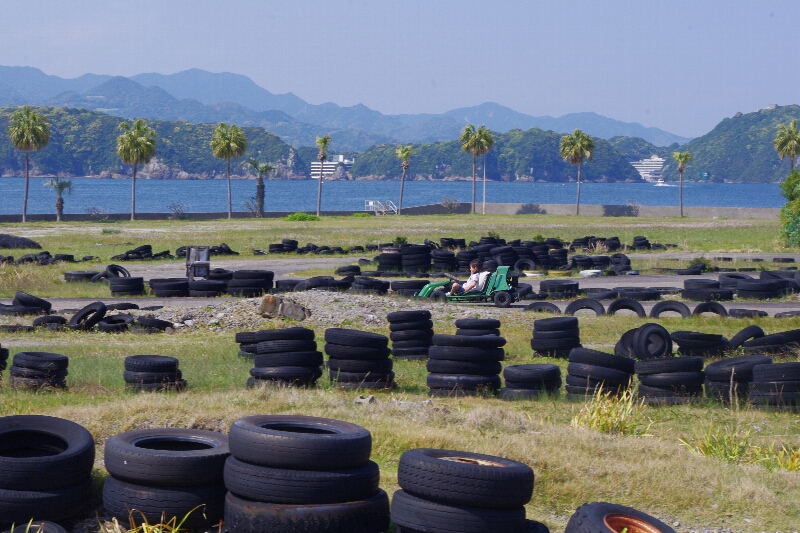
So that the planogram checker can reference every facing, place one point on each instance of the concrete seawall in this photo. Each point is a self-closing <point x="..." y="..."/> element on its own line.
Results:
<point x="593" y="210"/>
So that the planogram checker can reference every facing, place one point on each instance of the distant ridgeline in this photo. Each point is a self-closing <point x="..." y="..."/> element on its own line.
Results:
<point x="83" y="143"/>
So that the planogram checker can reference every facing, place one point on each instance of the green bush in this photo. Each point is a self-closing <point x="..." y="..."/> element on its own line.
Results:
<point x="790" y="188"/>
<point x="360" y="214"/>
<point x="301" y="217"/>
<point x="400" y="240"/>
<point x="790" y="213"/>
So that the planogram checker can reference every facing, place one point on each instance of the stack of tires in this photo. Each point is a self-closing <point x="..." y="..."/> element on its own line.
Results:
<point x="32" y="302"/>
<point x="444" y="491"/>
<point x="542" y="254"/>
<point x="671" y="380"/>
<point x="477" y="327"/>
<point x="415" y="258"/>
<point x="760" y="289"/>
<point x="207" y="288"/>
<point x="348" y="270"/>
<point x="38" y="370"/>
<point x="464" y="258"/>
<point x="177" y="472"/>
<point x="3" y="358"/>
<point x="366" y="285"/>
<point x="286" y="356"/>
<point x="612" y="244"/>
<point x="45" y="469"/>
<point x="558" y="289"/>
<point x="285" y="285"/>
<point x="787" y="278"/>
<point x="588" y="370"/>
<point x="641" y="243"/>
<point x="250" y="283"/>
<point x="524" y="382"/>
<point x="152" y="373"/>
<point x="449" y="242"/>
<point x="411" y="333"/>
<point x="169" y="287"/>
<point x="558" y="258"/>
<point x="389" y="260"/>
<point x="126" y="286"/>
<point x="298" y="473"/>
<point x="555" y="337"/>
<point x="359" y="359"/>
<point x="732" y="375"/>
<point x="620" y="263"/>
<point x="220" y="274"/>
<point x="649" y="341"/>
<point x="705" y="290"/>
<point x="692" y="343"/>
<point x="731" y="280"/>
<point x="444" y="260"/>
<point x="776" y="386"/>
<point x="407" y="288"/>
<point x="505" y="255"/>
<point x="462" y="365"/>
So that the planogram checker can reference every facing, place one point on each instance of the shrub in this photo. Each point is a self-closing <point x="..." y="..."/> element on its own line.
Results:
<point x="615" y="415"/>
<point x="400" y="240"/>
<point x="734" y="446"/>
<point x="360" y="214"/>
<point x="301" y="217"/>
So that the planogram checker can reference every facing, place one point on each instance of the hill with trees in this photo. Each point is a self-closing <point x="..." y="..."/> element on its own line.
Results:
<point x="635" y="148"/>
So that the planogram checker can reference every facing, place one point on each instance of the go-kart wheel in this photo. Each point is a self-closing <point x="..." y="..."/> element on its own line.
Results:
<point x="503" y="299"/>
<point x="439" y="296"/>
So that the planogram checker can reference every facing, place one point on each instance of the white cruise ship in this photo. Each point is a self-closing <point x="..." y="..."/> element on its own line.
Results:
<point x="650" y="169"/>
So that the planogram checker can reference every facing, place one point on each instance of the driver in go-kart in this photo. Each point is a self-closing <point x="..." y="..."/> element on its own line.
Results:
<point x="471" y="285"/>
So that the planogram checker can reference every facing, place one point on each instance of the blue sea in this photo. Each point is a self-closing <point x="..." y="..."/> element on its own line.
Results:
<point x="155" y="196"/>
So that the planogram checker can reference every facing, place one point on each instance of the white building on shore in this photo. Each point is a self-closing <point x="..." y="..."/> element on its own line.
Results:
<point x="650" y="169"/>
<point x="329" y="168"/>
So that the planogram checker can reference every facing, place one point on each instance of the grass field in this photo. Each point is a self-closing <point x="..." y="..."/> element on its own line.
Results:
<point x="653" y="472"/>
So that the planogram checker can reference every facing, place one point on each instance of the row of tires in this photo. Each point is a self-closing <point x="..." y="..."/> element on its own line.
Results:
<point x="660" y="308"/>
<point x="270" y="474"/>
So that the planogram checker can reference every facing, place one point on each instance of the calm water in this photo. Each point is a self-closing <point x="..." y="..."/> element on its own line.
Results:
<point x="154" y="196"/>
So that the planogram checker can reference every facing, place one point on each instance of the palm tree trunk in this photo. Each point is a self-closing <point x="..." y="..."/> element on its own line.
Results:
<point x="229" y="188"/>
<point x="25" y="196"/>
<point x="260" y="195"/>
<point x="484" y="185"/>
<point x="402" y="185"/>
<point x="133" y="192"/>
<point x="473" y="184"/>
<point x="680" y="193"/>
<point x="59" y="208"/>
<point x="319" y="187"/>
<point x="578" y="198"/>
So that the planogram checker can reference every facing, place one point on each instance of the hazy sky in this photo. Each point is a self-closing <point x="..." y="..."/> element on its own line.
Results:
<point x="678" y="65"/>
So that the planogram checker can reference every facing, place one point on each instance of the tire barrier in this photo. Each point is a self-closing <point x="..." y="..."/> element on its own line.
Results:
<point x="169" y="287"/>
<point x="411" y="333"/>
<point x="169" y="471"/>
<point x="776" y="386"/>
<point x="448" y="490"/>
<point x="152" y="373"/>
<point x="692" y="343"/>
<point x="590" y="370"/>
<point x="732" y="376"/>
<point x="35" y="448"/>
<point x="38" y="371"/>
<point x="555" y="337"/>
<point x="250" y="283"/>
<point x="407" y="288"/>
<point x="287" y="357"/>
<point x="525" y="382"/>
<point x="142" y="253"/>
<point x="299" y="473"/>
<point x="222" y="249"/>
<point x="464" y="365"/>
<point x="359" y="359"/>
<point x="670" y="380"/>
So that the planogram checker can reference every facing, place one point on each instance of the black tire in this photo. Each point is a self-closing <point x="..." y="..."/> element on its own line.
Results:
<point x="639" y="294"/>
<point x="740" y="369"/>
<point x="670" y="305"/>
<point x="301" y="487"/>
<point x="349" y="337"/>
<point x="534" y="374"/>
<point x="288" y="334"/>
<point x="651" y="341"/>
<point x="477" y="323"/>
<point x="597" y="373"/>
<point x="600" y="294"/>
<point x="21" y="372"/>
<point x="486" y="341"/>
<point x="503" y="299"/>
<point x="674" y="380"/>
<point x="28" y="300"/>
<point x="555" y="324"/>
<point x="80" y="275"/>
<point x="115" y="323"/>
<point x="19" y="507"/>
<point x="669" y="364"/>
<point x="120" y="497"/>
<point x="596" y="358"/>
<point x="408" y="316"/>
<point x="626" y="303"/>
<point x="463" y="381"/>
<point x="710" y="307"/>
<point x="122" y="306"/>
<point x="405" y="326"/>
<point x="585" y="303"/>
<point x="746" y="313"/>
<point x="167" y="456"/>
<point x="417" y="334"/>
<point x="370" y="515"/>
<point x="49" y="320"/>
<point x="477" y="332"/>
<point x="549" y="345"/>
<point x="302" y="374"/>
<point x="299" y="442"/>
<point x="88" y="317"/>
<point x="455" y="353"/>
<point x="418" y="514"/>
<point x="116" y="271"/>
<point x="37" y="526"/>
<point x="543" y="307"/>
<point x="595" y="517"/>
<point x="310" y="359"/>
<point x="380" y="366"/>
<point x="151" y="363"/>
<point x="694" y="340"/>
<point x="776" y="339"/>
<point x="443" y="366"/>
<point x="151" y="377"/>
<point x="777" y="372"/>
<point x="746" y="334"/>
<point x="284" y="346"/>
<point x="41" y="360"/>
<point x="463" y="478"/>
<point x="356" y="352"/>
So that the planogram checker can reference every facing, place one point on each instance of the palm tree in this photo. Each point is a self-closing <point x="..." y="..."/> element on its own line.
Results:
<point x="471" y="143"/>
<point x="322" y="144"/>
<point x="60" y="187"/>
<point x="261" y="169"/>
<point x="486" y="142"/>
<point x="681" y="158"/>
<point x="574" y="149"/>
<point x="228" y="142"/>
<point x="787" y="142"/>
<point x="137" y="144"/>
<point x="404" y="154"/>
<point x="28" y="130"/>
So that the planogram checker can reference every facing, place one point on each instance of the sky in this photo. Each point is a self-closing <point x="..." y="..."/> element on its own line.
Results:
<point x="681" y="66"/>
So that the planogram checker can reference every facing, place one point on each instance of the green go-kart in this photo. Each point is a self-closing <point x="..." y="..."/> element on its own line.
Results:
<point x="499" y="288"/>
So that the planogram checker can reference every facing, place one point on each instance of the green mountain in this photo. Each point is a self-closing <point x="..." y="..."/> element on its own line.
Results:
<point x="739" y="149"/>
<point x="517" y="155"/>
<point x="84" y="143"/>
<point x="635" y="148"/>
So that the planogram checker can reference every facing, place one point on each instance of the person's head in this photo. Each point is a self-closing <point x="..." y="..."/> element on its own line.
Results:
<point x="475" y="265"/>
